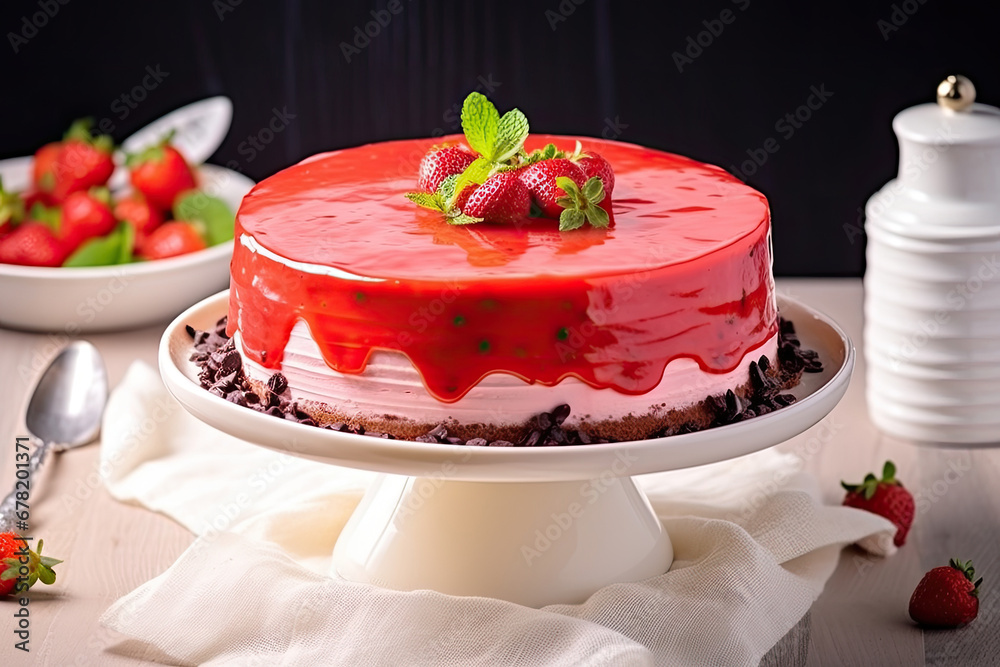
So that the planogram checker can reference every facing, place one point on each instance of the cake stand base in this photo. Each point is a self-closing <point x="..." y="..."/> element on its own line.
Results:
<point x="533" y="543"/>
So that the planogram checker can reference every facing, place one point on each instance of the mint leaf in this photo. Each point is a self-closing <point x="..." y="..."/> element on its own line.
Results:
<point x="426" y="200"/>
<point x="480" y="121"/>
<point x="115" y="248"/>
<point x="476" y="173"/>
<point x="463" y="219"/>
<point x="196" y="206"/>
<point x="511" y="133"/>
<point x="446" y="191"/>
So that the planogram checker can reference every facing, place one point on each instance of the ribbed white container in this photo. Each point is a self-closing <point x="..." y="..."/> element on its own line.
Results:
<point x="932" y="286"/>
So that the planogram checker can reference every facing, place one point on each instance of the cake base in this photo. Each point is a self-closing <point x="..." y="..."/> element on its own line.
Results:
<point x="569" y="540"/>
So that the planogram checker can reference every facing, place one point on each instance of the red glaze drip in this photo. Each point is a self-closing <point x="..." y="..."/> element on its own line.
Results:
<point x="684" y="271"/>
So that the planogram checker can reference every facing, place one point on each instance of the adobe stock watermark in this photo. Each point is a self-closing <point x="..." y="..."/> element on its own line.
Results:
<point x="762" y="491"/>
<point x="32" y="23"/>
<point x="365" y="33"/>
<point x="123" y="105"/>
<point x="913" y="168"/>
<point x="87" y="311"/>
<point x="957" y="298"/>
<point x="451" y="122"/>
<point x="590" y="492"/>
<point x="696" y="44"/>
<point x="786" y="126"/>
<point x="898" y="16"/>
<point x="562" y="12"/>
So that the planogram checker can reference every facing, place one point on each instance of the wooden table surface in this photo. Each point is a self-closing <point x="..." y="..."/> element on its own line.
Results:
<point x="861" y="618"/>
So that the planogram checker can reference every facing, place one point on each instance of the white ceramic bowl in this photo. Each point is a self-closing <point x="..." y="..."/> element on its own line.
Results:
<point x="102" y="298"/>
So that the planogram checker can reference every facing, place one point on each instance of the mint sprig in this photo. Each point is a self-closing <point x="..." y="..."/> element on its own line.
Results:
<point x="581" y="206"/>
<point x="443" y="201"/>
<point x="496" y="139"/>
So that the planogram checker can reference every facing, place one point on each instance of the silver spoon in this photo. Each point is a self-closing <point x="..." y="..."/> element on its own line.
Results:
<point x="64" y="412"/>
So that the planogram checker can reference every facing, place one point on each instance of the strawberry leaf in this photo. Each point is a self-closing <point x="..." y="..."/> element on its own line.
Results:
<point x="511" y="133"/>
<point x="597" y="216"/>
<point x="571" y="219"/>
<point x="480" y="122"/>
<point x="593" y="189"/>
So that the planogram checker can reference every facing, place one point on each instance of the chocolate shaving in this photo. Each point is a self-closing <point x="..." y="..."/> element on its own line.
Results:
<point x="222" y="374"/>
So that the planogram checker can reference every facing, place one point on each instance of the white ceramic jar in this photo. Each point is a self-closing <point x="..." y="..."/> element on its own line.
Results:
<point x="932" y="285"/>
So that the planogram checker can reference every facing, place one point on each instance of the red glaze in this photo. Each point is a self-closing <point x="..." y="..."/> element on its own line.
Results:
<point x="684" y="271"/>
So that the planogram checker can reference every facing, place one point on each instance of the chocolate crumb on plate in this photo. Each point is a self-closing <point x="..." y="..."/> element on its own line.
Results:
<point x="222" y="374"/>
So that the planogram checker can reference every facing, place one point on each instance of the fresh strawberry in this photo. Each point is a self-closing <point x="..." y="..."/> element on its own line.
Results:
<point x="33" y="244"/>
<point x="540" y="179"/>
<point x="85" y="216"/>
<point x="11" y="209"/>
<point x="463" y="199"/>
<point x="593" y="164"/>
<point x="43" y="167"/>
<point x="440" y="163"/>
<point x="946" y="597"/>
<point x="137" y="211"/>
<point x="161" y="173"/>
<point x="15" y="554"/>
<point x="886" y="497"/>
<point x="83" y="161"/>
<point x="503" y="198"/>
<point x="172" y="238"/>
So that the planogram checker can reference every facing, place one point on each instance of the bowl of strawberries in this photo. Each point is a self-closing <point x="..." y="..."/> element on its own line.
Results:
<point x="93" y="240"/>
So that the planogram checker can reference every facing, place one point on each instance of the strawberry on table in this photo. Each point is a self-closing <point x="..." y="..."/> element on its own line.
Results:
<point x="503" y="199"/>
<point x="886" y="497"/>
<point x="172" y="238"/>
<point x="86" y="215"/>
<point x="33" y="244"/>
<point x="440" y="163"/>
<point x="12" y="549"/>
<point x="80" y="162"/>
<point x="540" y="179"/>
<point x="593" y="164"/>
<point x="161" y="173"/>
<point x="946" y="597"/>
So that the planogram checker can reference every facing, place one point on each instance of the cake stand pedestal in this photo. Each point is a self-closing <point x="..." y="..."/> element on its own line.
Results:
<point x="534" y="543"/>
<point x="534" y="526"/>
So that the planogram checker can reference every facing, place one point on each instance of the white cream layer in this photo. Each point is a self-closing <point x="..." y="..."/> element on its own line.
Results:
<point x="391" y="385"/>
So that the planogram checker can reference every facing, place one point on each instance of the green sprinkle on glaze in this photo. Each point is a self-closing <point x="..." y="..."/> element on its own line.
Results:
<point x="484" y="346"/>
<point x="458" y="321"/>
<point x="359" y="296"/>
<point x="563" y="334"/>
<point x="488" y="304"/>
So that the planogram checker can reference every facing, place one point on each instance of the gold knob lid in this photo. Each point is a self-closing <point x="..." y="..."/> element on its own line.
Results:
<point x="956" y="93"/>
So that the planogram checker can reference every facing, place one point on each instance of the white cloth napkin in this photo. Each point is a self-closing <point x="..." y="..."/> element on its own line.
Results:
<point x="753" y="549"/>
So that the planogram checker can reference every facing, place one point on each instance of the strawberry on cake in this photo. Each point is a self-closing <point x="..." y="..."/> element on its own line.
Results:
<point x="505" y="277"/>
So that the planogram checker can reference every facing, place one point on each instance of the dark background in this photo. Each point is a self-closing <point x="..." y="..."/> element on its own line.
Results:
<point x="587" y="67"/>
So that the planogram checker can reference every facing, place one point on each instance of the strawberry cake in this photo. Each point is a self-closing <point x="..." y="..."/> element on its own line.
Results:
<point x="389" y="317"/>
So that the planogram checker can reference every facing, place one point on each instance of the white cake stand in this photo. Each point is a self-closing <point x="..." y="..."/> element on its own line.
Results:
<point x="531" y="525"/>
